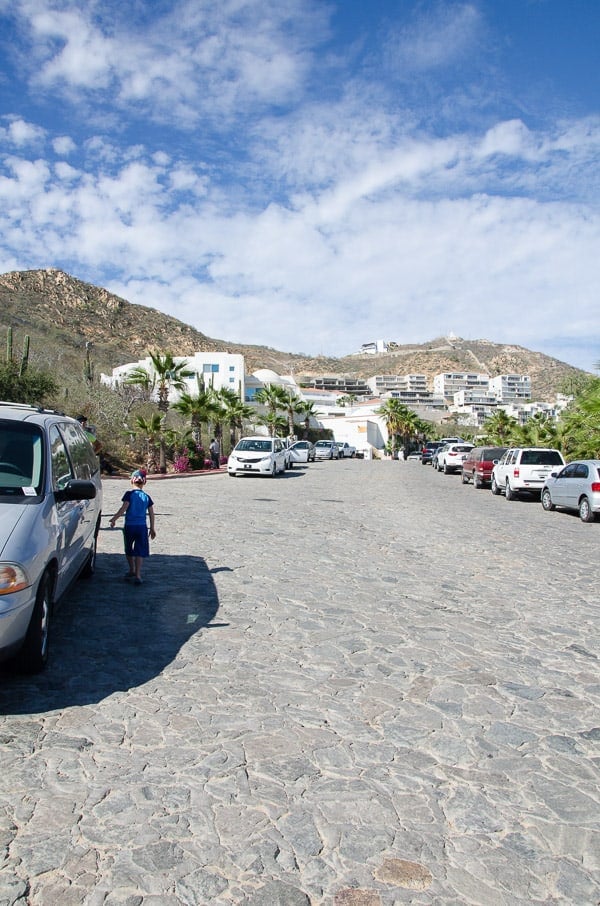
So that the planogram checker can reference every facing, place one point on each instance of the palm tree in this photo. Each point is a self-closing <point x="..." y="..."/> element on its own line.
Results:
<point x="152" y="429"/>
<point x="293" y="405"/>
<point x="308" y="411"/>
<point x="499" y="428"/>
<point x="200" y="409"/>
<point x="274" y="398"/>
<point x="236" y="413"/>
<point x="276" y="423"/>
<point x="164" y="375"/>
<point x="399" y="420"/>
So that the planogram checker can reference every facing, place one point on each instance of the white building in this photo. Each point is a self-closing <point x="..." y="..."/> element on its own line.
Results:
<point x="450" y="382"/>
<point x="510" y="388"/>
<point x="213" y="369"/>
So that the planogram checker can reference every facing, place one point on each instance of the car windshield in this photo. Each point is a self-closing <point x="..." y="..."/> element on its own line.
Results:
<point x="301" y="445"/>
<point x="253" y="445"/>
<point x="323" y="443"/>
<point x="541" y="458"/>
<point x="21" y="459"/>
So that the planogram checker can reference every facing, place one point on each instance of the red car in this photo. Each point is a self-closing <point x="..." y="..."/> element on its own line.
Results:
<point x="478" y="465"/>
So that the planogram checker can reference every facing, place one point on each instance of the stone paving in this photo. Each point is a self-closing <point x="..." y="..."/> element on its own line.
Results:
<point x="358" y="684"/>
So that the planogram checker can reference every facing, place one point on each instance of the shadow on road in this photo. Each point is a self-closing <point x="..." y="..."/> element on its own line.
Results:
<point x="109" y="636"/>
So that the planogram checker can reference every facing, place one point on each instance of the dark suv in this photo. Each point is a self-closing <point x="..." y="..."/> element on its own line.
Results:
<point x="478" y="465"/>
<point x="50" y="508"/>
<point x="428" y="450"/>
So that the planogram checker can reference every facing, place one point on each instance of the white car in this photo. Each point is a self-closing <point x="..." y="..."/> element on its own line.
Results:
<point x="257" y="456"/>
<point x="450" y="457"/>
<point x="524" y="470"/>
<point x="346" y="451"/>
<point x="302" y="451"/>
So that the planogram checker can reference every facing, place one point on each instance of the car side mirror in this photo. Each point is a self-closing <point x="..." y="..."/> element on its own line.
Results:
<point x="76" y="489"/>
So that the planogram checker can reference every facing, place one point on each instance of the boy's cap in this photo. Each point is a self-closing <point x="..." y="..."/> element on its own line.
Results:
<point x="139" y="475"/>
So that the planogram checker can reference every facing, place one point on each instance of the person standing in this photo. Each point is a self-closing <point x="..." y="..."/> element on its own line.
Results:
<point x="137" y="506"/>
<point x="215" y="453"/>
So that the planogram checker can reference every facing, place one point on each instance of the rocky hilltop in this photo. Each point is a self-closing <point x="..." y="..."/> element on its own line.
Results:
<point x="62" y="315"/>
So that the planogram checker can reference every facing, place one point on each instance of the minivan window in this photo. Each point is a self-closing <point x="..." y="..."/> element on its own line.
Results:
<point x="61" y="466"/>
<point x="84" y="460"/>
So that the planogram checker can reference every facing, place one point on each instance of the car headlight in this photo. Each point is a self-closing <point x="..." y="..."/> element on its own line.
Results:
<point x="12" y="578"/>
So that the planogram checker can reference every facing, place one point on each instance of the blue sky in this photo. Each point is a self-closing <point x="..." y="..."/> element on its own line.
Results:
<point x="313" y="175"/>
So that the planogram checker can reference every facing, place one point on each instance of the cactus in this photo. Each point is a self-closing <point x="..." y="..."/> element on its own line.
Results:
<point x="24" y="357"/>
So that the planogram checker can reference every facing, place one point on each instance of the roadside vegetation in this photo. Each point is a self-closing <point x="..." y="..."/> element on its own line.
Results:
<point x="137" y="425"/>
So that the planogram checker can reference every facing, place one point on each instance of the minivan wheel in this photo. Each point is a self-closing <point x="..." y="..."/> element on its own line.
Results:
<point x="495" y="487"/>
<point x="508" y="492"/>
<point x="90" y="564"/>
<point x="33" y="656"/>
<point x="586" y="513"/>
<point x="464" y="478"/>
<point x="476" y="482"/>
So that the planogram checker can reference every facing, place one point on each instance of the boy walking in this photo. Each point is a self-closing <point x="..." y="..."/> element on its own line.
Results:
<point x="136" y="504"/>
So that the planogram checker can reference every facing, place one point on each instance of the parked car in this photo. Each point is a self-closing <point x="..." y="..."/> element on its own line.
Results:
<point x="302" y="451"/>
<point x="346" y="451"/>
<point x="50" y="510"/>
<point x="450" y="457"/>
<point x="576" y="487"/>
<point x="436" y="453"/>
<point x="429" y="449"/>
<point x="326" y="449"/>
<point x="524" y="470"/>
<point x="478" y="465"/>
<point x="257" y="456"/>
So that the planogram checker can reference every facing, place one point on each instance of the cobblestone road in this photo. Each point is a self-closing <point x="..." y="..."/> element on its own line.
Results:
<point x="358" y="684"/>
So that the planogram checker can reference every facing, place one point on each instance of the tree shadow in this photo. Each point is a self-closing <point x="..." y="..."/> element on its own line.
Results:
<point x="108" y="635"/>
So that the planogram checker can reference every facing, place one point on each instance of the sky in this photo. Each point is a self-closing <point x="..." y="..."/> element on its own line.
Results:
<point x="313" y="175"/>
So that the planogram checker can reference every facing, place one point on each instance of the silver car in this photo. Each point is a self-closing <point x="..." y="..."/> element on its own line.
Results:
<point x="576" y="487"/>
<point x="50" y="510"/>
<point x="326" y="449"/>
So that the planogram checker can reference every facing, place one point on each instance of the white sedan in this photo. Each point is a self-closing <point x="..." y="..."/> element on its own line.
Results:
<point x="302" y="451"/>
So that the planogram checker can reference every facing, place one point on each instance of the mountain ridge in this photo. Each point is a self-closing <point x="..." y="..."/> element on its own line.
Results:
<point x="62" y="314"/>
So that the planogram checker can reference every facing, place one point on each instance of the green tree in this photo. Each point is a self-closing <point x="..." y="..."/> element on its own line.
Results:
<point x="235" y="413"/>
<point x="400" y="421"/>
<point x="152" y="431"/>
<point x="32" y="385"/>
<point x="274" y="398"/>
<point x="201" y="410"/>
<point x="499" y="428"/>
<point x="307" y="411"/>
<point x="163" y="375"/>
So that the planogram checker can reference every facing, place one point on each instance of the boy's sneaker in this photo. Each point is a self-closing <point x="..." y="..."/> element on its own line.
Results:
<point x="137" y="581"/>
<point x="129" y="576"/>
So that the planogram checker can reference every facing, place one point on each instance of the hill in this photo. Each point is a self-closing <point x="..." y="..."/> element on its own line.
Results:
<point x="62" y="314"/>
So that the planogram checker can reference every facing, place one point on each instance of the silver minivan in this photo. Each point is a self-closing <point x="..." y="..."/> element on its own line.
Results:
<point x="50" y="510"/>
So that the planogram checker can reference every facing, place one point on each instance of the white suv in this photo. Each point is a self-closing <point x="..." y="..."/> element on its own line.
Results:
<point x="524" y="470"/>
<point x="257" y="456"/>
<point x="50" y="509"/>
<point x="450" y="457"/>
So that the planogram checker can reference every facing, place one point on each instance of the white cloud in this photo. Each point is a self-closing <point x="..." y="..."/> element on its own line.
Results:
<point x="64" y="145"/>
<point x="21" y="133"/>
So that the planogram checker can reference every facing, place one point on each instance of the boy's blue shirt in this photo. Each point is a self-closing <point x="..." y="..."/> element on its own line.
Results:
<point x="139" y="503"/>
